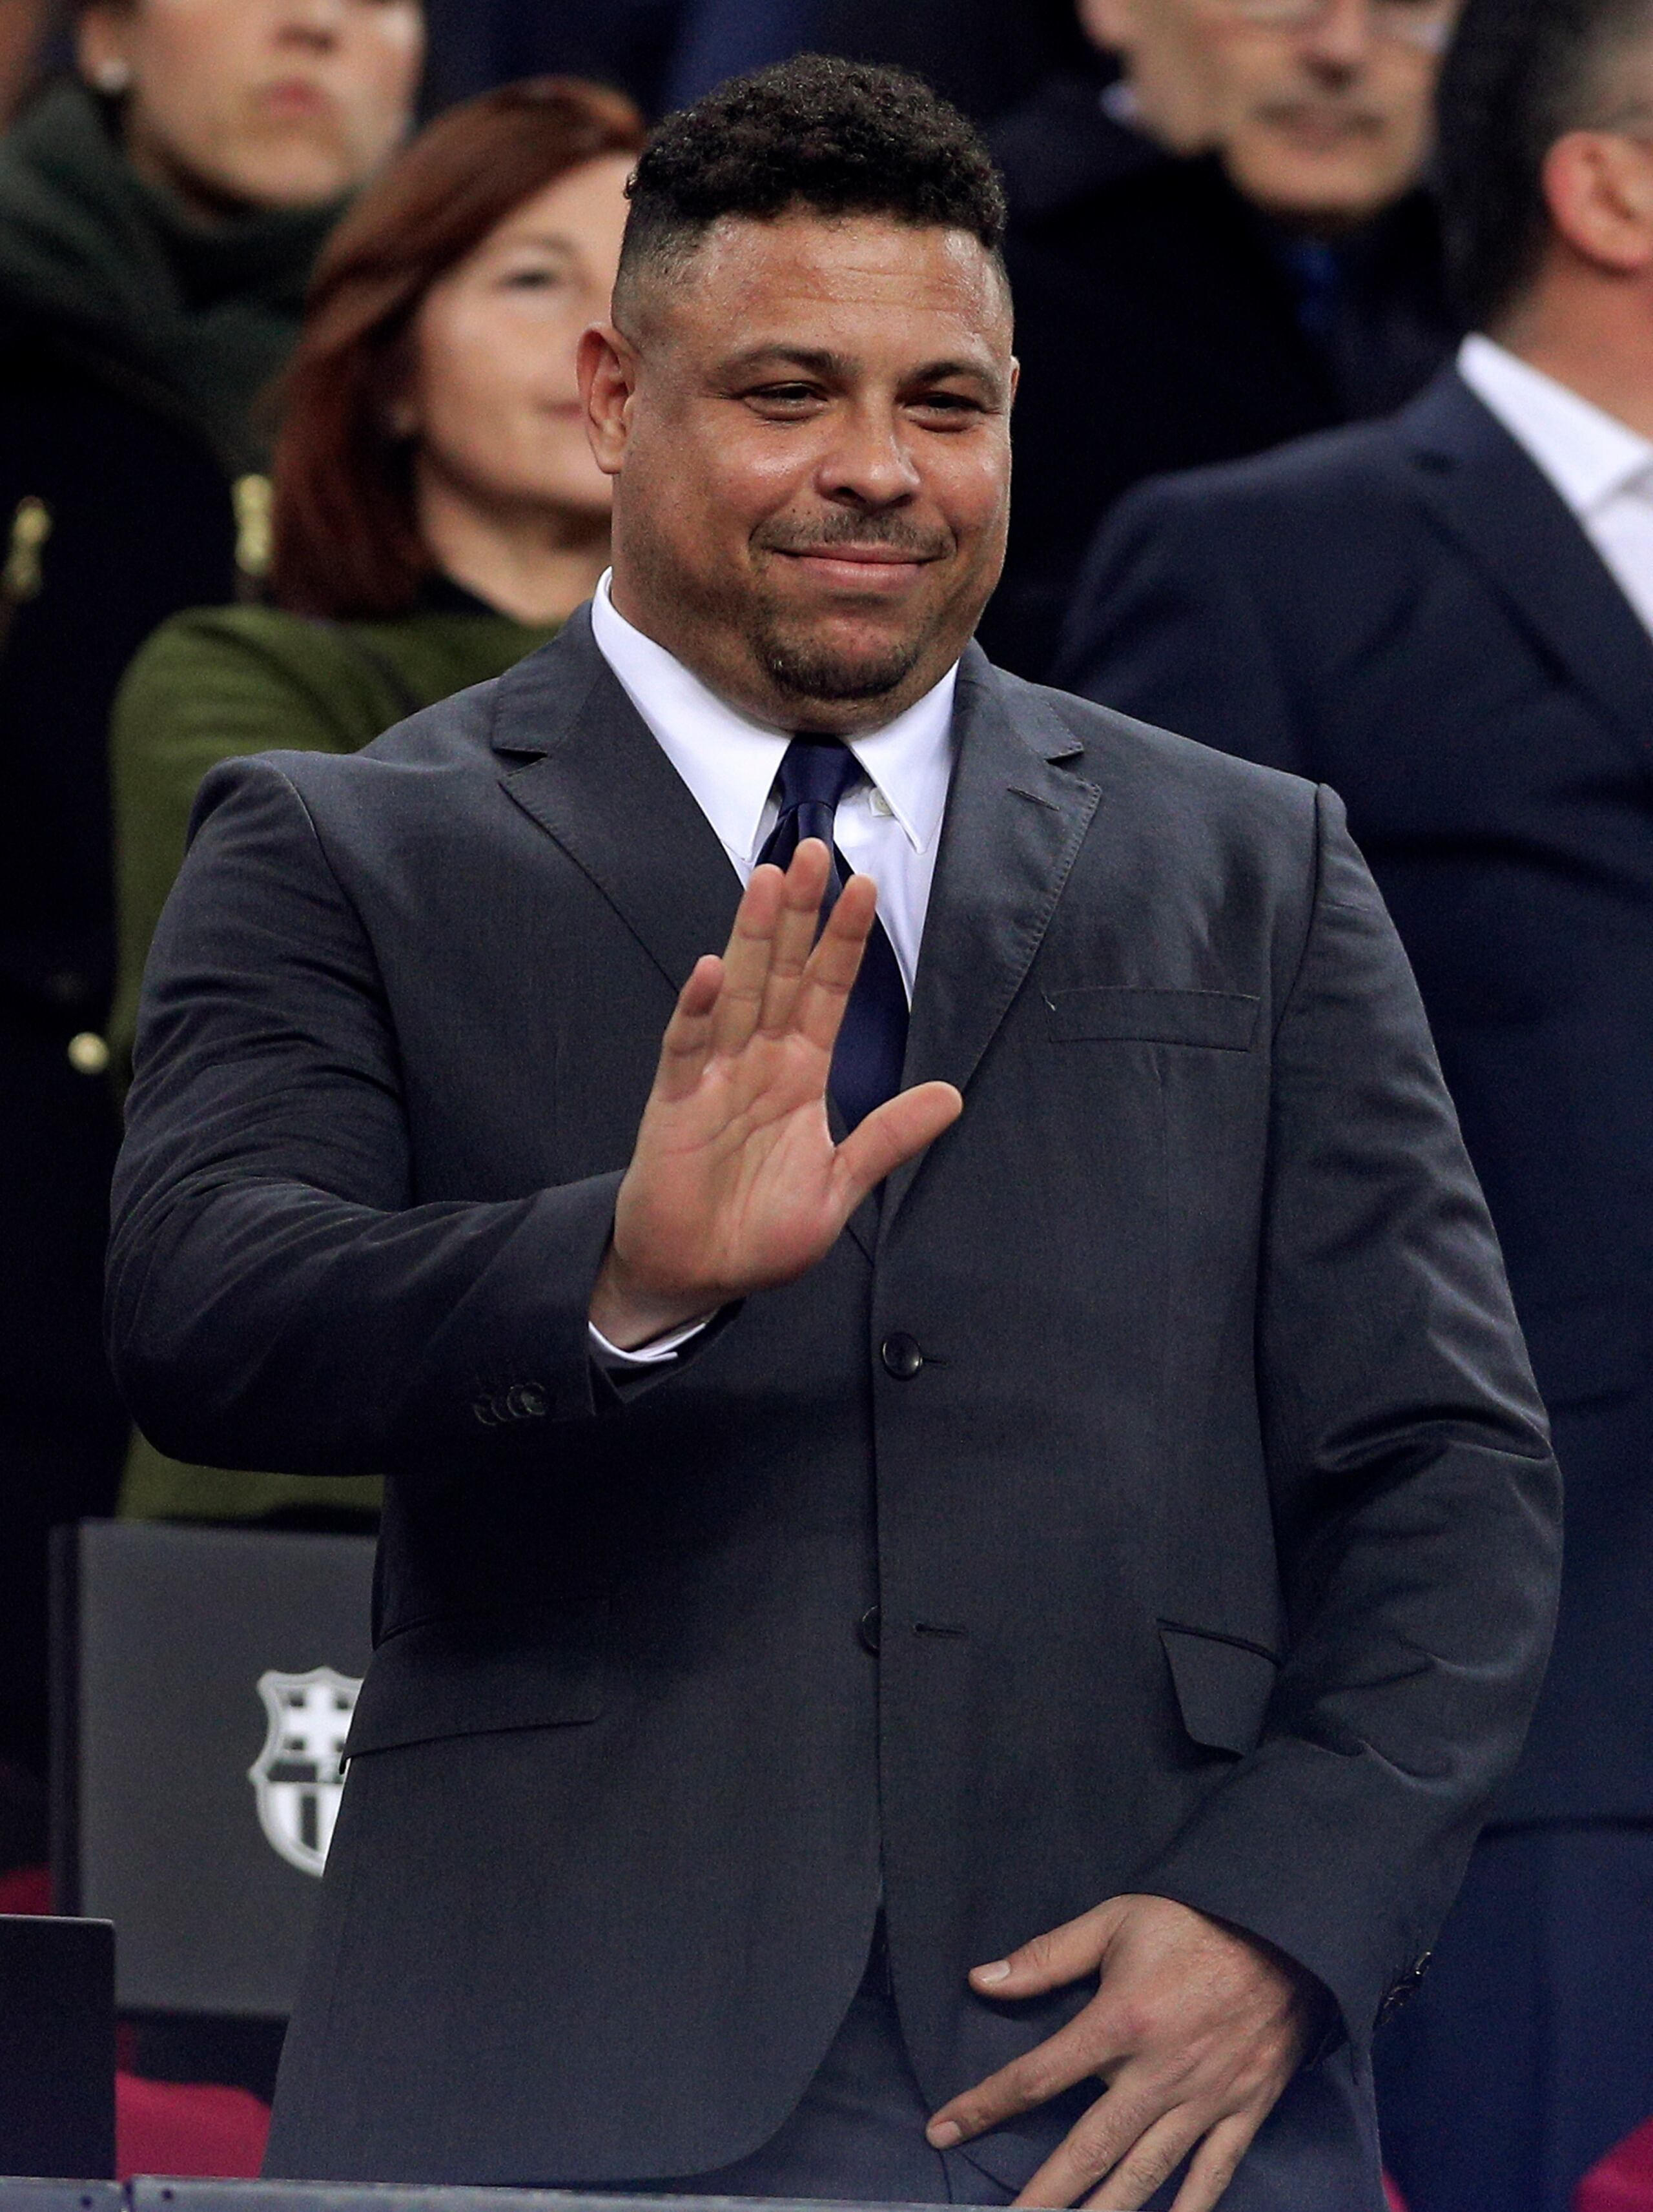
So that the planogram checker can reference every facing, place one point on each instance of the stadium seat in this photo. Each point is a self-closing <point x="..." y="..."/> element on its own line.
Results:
<point x="1623" y="2180"/>
<point x="26" y="1889"/>
<point x="188" y="2129"/>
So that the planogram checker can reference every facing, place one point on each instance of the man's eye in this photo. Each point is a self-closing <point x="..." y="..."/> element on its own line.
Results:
<point x="784" y="395"/>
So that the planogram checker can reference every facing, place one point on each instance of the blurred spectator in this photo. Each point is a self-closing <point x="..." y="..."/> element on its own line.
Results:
<point x="1446" y="617"/>
<point x="982" y="55"/>
<point x="437" y="513"/>
<point x="23" y="29"/>
<point x="158" y="221"/>
<point x="1225" y="249"/>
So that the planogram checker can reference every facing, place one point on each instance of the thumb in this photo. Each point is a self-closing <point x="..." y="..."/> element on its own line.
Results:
<point x="893" y="1133"/>
<point x="1065" y="1954"/>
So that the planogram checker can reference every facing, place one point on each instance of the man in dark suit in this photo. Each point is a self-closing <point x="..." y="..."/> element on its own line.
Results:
<point x="1446" y="617"/>
<point x="1227" y="248"/>
<point x="890" y="1598"/>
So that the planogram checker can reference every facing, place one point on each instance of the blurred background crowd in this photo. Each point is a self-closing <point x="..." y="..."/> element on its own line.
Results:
<point x="1333" y="446"/>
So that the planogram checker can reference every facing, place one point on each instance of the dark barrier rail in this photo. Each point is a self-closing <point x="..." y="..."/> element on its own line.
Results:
<point x="161" y="2196"/>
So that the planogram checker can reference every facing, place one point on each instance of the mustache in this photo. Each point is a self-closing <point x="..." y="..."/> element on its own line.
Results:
<point x="890" y="532"/>
<point x="1349" y="115"/>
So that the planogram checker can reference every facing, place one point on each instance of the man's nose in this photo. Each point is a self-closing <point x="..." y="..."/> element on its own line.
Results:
<point x="310" y="23"/>
<point x="1340" y="36"/>
<point x="870" y="465"/>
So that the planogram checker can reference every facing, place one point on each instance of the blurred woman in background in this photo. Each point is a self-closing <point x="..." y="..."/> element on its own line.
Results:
<point x="437" y="514"/>
<point x="159" y="218"/>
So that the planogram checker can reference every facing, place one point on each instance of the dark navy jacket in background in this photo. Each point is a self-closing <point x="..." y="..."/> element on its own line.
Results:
<point x="1410" y="612"/>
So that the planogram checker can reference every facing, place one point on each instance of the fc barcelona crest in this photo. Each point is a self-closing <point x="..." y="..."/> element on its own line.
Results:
<point x="298" y="1778"/>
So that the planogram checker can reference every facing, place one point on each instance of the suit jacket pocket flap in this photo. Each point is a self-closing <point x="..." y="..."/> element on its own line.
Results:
<point x="535" y="1667"/>
<point x="1223" y="1688"/>
<point x="1124" y="1013"/>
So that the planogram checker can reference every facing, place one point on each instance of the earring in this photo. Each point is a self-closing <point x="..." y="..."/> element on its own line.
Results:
<point x="112" y="77"/>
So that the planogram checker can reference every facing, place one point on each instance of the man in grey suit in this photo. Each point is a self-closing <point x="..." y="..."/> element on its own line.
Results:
<point x="974" y="1529"/>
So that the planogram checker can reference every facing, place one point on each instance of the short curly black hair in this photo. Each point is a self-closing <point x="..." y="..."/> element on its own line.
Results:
<point x="834" y="137"/>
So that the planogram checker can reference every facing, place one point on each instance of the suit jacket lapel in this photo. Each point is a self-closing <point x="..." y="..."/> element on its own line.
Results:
<point x="1486" y="491"/>
<point x="586" y="768"/>
<point x="581" y="761"/>
<point x="1015" y="822"/>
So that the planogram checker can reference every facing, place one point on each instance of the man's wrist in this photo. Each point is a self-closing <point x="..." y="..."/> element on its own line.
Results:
<point x="629" y="1317"/>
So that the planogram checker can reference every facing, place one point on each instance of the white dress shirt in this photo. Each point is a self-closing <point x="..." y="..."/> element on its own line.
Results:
<point x="1602" y="469"/>
<point x="887" y="828"/>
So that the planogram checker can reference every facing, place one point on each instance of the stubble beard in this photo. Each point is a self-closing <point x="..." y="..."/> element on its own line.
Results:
<point x="806" y="669"/>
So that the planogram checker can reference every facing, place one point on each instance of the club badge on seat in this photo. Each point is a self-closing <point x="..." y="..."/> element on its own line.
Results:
<point x="299" y="1775"/>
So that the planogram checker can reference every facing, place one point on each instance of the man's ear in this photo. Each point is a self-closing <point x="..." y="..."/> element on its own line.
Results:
<point x="607" y="364"/>
<point x="1599" y="188"/>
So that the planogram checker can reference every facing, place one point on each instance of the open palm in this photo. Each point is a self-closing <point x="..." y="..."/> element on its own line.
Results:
<point x="736" y="1184"/>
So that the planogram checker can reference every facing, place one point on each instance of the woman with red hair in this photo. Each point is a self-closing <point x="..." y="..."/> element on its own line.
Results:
<point x="435" y="515"/>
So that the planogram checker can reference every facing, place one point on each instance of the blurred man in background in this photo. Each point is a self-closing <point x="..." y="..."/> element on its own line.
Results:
<point x="1226" y="248"/>
<point x="1447" y="618"/>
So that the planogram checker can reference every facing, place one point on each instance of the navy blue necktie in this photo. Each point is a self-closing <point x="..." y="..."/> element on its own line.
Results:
<point x="1318" y="284"/>
<point x="814" y="777"/>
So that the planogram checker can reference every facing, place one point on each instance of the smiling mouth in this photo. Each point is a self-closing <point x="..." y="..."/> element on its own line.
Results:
<point x="877" y="569"/>
<point x="865" y="557"/>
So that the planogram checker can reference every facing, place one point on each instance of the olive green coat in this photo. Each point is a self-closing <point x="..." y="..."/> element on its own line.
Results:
<point x="210" y="685"/>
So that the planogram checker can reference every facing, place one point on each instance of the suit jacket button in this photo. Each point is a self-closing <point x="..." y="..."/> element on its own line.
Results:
<point x="867" y="1628"/>
<point x="526" y="1401"/>
<point x="901" y="1356"/>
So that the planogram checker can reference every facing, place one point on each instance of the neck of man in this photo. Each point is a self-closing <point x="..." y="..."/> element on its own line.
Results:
<point x="534" y="561"/>
<point x="1591" y="331"/>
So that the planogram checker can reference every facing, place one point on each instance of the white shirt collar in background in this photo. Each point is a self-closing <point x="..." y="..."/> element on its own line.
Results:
<point x="1600" y="466"/>
<point x="730" y="762"/>
<point x="1590" y="456"/>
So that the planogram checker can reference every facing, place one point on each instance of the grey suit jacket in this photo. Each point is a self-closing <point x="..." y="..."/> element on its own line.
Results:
<point x="1170" y="1412"/>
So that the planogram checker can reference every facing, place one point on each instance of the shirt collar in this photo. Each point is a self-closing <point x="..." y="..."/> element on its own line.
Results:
<point x="1589" y="455"/>
<point x="730" y="762"/>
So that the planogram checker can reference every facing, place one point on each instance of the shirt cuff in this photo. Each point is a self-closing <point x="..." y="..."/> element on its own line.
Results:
<point x="613" y="1361"/>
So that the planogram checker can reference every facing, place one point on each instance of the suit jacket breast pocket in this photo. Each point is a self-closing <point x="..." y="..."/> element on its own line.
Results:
<point x="531" y="1667"/>
<point x="1223" y="1687"/>
<point x="1224" y="1021"/>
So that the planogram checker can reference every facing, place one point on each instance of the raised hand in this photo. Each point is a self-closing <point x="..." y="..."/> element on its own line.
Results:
<point x="1196" y="2029"/>
<point x="735" y="1184"/>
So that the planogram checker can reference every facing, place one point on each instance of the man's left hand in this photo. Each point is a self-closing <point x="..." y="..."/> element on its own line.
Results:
<point x="1194" y="2029"/>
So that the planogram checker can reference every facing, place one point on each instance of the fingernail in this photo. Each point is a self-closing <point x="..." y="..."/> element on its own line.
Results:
<point x="998" y="1971"/>
<point x="944" y="2134"/>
